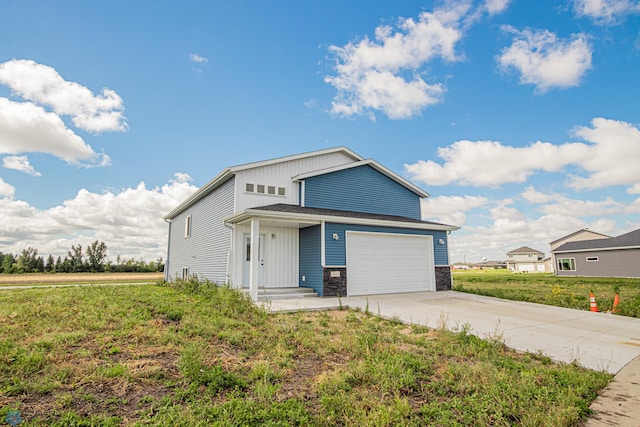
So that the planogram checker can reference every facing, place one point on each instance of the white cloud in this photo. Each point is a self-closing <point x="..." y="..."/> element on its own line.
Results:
<point x="129" y="221"/>
<point x="490" y="163"/>
<point x="19" y="163"/>
<point x="611" y="156"/>
<point x="510" y="228"/>
<point x="194" y="57"/>
<point x="604" y="160"/>
<point x="7" y="190"/>
<point x="451" y="209"/>
<point x="606" y="12"/>
<point x="28" y="128"/>
<point x="43" y="85"/>
<point x="384" y="74"/>
<point x="544" y="60"/>
<point x="496" y="6"/>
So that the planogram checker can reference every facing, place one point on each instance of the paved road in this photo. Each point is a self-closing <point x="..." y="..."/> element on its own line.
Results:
<point x="595" y="340"/>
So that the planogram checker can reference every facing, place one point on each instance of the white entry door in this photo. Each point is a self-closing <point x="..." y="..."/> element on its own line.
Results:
<point x="246" y="265"/>
<point x="383" y="263"/>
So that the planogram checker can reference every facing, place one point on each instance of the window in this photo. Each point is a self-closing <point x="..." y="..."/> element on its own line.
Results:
<point x="185" y="273"/>
<point x="187" y="226"/>
<point x="271" y="190"/>
<point x="566" y="264"/>
<point x="592" y="259"/>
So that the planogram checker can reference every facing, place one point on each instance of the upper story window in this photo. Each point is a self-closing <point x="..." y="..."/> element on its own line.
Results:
<point x="270" y="190"/>
<point x="187" y="226"/>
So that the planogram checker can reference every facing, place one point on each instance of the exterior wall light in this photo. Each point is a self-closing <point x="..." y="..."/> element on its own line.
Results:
<point x="335" y="236"/>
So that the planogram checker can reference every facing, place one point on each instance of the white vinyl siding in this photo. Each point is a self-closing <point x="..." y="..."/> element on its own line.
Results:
<point x="279" y="176"/>
<point x="381" y="263"/>
<point x="280" y="256"/>
<point x="206" y="251"/>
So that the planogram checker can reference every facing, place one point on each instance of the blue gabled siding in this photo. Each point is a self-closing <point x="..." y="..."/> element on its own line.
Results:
<point x="310" y="261"/>
<point x="336" y="253"/>
<point x="361" y="189"/>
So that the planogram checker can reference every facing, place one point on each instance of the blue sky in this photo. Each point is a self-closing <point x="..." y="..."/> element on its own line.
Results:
<point x="519" y="118"/>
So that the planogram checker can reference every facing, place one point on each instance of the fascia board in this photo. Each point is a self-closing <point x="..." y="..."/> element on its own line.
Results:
<point x="269" y="162"/>
<point x="290" y="216"/>
<point x="617" y="248"/>
<point x="374" y="164"/>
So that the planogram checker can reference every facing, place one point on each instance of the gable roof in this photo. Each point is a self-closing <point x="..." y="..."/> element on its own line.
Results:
<point x="524" y="250"/>
<point x="370" y="162"/>
<point x="575" y="233"/>
<point x="295" y="212"/>
<point x="624" y="241"/>
<point x="229" y="172"/>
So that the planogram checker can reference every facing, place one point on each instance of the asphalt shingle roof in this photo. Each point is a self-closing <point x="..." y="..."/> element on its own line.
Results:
<point x="282" y="207"/>
<point x="625" y="240"/>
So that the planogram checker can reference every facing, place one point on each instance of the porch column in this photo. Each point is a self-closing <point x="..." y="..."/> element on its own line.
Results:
<point x="255" y="262"/>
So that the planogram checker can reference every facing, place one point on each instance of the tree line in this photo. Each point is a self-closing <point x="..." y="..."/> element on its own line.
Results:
<point x="92" y="260"/>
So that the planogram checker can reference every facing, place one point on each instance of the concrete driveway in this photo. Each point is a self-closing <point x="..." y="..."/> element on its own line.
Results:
<point x="598" y="341"/>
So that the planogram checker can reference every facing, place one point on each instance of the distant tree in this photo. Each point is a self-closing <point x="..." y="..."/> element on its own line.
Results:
<point x="7" y="262"/>
<point x="96" y="254"/>
<point x="27" y="262"/>
<point x="59" y="264"/>
<point x="75" y="259"/>
<point x="39" y="265"/>
<point x="50" y="266"/>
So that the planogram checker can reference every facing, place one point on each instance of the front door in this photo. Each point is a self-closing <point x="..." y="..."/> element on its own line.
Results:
<point x="246" y="265"/>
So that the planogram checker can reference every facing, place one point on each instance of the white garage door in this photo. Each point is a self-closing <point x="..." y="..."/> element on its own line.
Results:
<point x="383" y="263"/>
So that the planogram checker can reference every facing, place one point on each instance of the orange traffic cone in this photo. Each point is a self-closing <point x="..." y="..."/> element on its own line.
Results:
<point x="592" y="299"/>
<point x="616" y="301"/>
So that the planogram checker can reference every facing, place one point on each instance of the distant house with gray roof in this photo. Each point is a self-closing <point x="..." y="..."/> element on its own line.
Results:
<point x="583" y="234"/>
<point x="525" y="260"/>
<point x="602" y="257"/>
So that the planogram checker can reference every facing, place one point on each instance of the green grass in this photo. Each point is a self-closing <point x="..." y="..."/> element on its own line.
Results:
<point x="193" y="354"/>
<point x="543" y="288"/>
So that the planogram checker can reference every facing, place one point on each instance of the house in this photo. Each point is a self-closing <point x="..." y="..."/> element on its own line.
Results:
<point x="584" y="234"/>
<point x="327" y="220"/>
<point x="601" y="257"/>
<point x="525" y="260"/>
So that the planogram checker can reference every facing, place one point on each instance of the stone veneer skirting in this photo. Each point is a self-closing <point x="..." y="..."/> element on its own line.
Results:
<point x="443" y="278"/>
<point x="334" y="281"/>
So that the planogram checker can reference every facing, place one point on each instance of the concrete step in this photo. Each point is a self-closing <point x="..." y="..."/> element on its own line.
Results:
<point x="284" y="293"/>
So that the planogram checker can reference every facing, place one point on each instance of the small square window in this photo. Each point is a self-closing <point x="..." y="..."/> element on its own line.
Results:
<point x="281" y="191"/>
<point x="271" y="190"/>
<point x="249" y="188"/>
<point x="260" y="188"/>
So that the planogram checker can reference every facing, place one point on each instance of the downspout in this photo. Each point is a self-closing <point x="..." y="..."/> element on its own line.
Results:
<point x="230" y="251"/>
<point x="166" y="263"/>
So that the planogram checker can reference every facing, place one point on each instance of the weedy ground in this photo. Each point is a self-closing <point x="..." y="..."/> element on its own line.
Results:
<point x="543" y="288"/>
<point x="195" y="354"/>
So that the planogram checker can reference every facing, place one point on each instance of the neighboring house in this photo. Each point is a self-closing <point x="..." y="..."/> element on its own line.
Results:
<point x="328" y="220"/>
<point x="577" y="236"/>
<point x="602" y="257"/>
<point x="496" y="265"/>
<point x="525" y="260"/>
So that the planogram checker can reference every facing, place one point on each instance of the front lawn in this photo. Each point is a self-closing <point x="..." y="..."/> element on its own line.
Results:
<point x="193" y="354"/>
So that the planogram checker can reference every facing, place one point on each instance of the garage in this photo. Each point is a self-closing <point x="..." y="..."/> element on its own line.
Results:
<point x="384" y="263"/>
